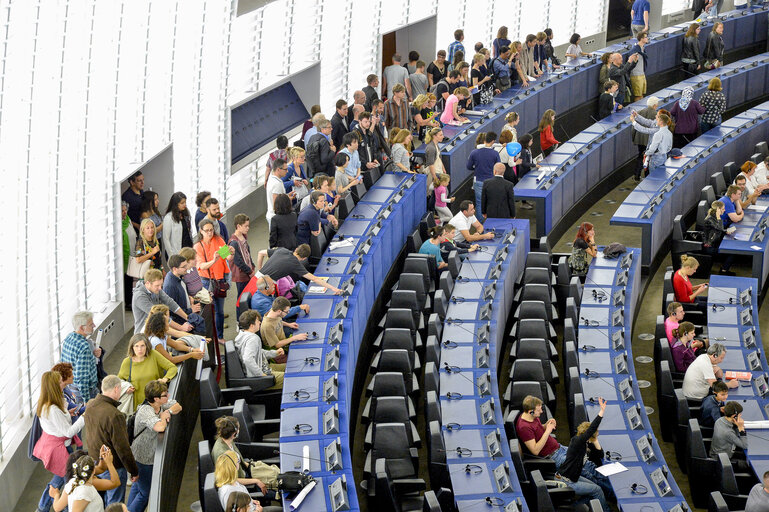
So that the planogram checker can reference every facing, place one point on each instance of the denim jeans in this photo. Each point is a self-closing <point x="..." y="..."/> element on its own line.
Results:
<point x="218" y="307"/>
<point x="586" y="491"/>
<point x="588" y="471"/>
<point x="117" y="494"/>
<point x="140" y="490"/>
<point x="477" y="189"/>
<point x="45" y="500"/>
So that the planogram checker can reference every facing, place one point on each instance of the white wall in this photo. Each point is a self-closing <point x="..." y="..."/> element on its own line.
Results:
<point x="418" y="36"/>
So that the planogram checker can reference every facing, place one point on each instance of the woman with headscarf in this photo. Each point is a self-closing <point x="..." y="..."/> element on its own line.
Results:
<point x="686" y="114"/>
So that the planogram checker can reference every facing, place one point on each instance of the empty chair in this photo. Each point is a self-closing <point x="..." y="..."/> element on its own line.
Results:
<point x="433" y="407"/>
<point x="689" y="242"/>
<point x="251" y="430"/>
<point x="432" y="349"/>
<point x="703" y="472"/>
<point x="408" y="299"/>
<point x="571" y="311"/>
<point x="434" y="326"/>
<point x="525" y="464"/>
<point x="392" y="409"/>
<point x="455" y="263"/>
<point x="563" y="277"/>
<point x="535" y="309"/>
<point x="569" y="331"/>
<point x="718" y="183"/>
<point x="432" y="377"/>
<point x="734" y="487"/>
<point x="538" y="275"/>
<point x="575" y="290"/>
<point x="216" y="402"/>
<point x="425" y="223"/>
<point x="390" y="442"/>
<point x="424" y="265"/>
<point x="544" y="245"/>
<point x="394" y="333"/>
<point x="702" y="212"/>
<point x="533" y="328"/>
<point x="403" y="318"/>
<point x="446" y="283"/>
<point x="538" y="259"/>
<point x="440" y="304"/>
<point x="346" y="205"/>
<point x="387" y="384"/>
<point x="756" y="158"/>
<point x="533" y="348"/>
<point x="730" y="170"/>
<point x="375" y="173"/>
<point x="317" y="247"/>
<point x="370" y="409"/>
<point x="235" y="376"/>
<point x="534" y="369"/>
<point x="666" y="399"/>
<point x="579" y="414"/>
<point x="400" y="340"/>
<point x="411" y="281"/>
<point x="717" y="503"/>
<point x="393" y="494"/>
<point x="436" y="451"/>
<point x="708" y="194"/>
<point x="549" y="499"/>
<point x="399" y="360"/>
<point x="358" y="191"/>
<point x="541" y="292"/>
<point x="413" y="241"/>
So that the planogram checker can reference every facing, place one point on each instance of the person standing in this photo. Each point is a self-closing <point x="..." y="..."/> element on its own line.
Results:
<point x="394" y="74"/>
<point x="152" y="418"/>
<point x="481" y="162"/>
<point x="177" y="225"/>
<point x="340" y="126"/>
<point x="242" y="263"/>
<point x="547" y="140"/>
<point x="106" y="426"/>
<point x="372" y="82"/>
<point x="200" y="202"/>
<point x="714" y="47"/>
<point x="212" y="267"/>
<point x="274" y="187"/>
<point x="662" y="139"/>
<point x="619" y="73"/>
<point x="686" y="112"/>
<point x="639" y="17"/>
<point x="690" y="54"/>
<point x="418" y="79"/>
<point x="549" y="51"/>
<point x="436" y="70"/>
<point x="498" y="196"/>
<point x="133" y="196"/>
<point x="500" y="41"/>
<point x="77" y="351"/>
<point x="638" y="72"/>
<point x="147" y="245"/>
<point x="320" y="150"/>
<point x="397" y="114"/>
<point x="714" y="103"/>
<point x="149" y="210"/>
<point x="641" y="139"/>
<point x="456" y="45"/>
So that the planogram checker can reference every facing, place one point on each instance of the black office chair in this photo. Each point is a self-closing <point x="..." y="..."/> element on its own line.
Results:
<point x="440" y="304"/>
<point x="702" y="211"/>
<point x="318" y="245"/>
<point x="206" y="466"/>
<point x="579" y="414"/>
<point x="534" y="369"/>
<point x="390" y="442"/>
<point x="571" y="311"/>
<point x="438" y="469"/>
<point x="402" y="318"/>
<point x="414" y="241"/>
<point x="394" y="494"/>
<point x="538" y="275"/>
<point x="761" y="147"/>
<point x="345" y="206"/>
<point x="399" y="360"/>
<point x="424" y="265"/>
<point x="392" y="409"/>
<point x="446" y="283"/>
<point x="358" y="191"/>
<point x="397" y="339"/>
<point x="245" y="302"/>
<point x="533" y="328"/>
<point x="433" y="408"/>
<point x="455" y="263"/>
<point x="408" y="299"/>
<point x="569" y="331"/>
<point x="387" y="384"/>
<point x="718" y="183"/>
<point x="425" y="223"/>
<point x="666" y="398"/>
<point x="370" y="409"/>
<point x="432" y="350"/>
<point x="573" y="388"/>
<point x="525" y="464"/>
<point x="544" y="245"/>
<point x="375" y="173"/>
<point x="701" y="469"/>
<point x="411" y="281"/>
<point x="432" y="502"/>
<point x="576" y="288"/>
<point x="432" y="378"/>
<point x="251" y="438"/>
<point x="735" y="487"/>
<point x="717" y="503"/>
<point x="538" y="259"/>
<point x="216" y="402"/>
<point x="550" y="499"/>
<point x="730" y="170"/>
<point x="533" y="348"/>
<point x="235" y="377"/>
<point x="211" y="501"/>
<point x="541" y="292"/>
<point x="562" y="280"/>
<point x="757" y="158"/>
<point x="434" y="326"/>
<point x="708" y="194"/>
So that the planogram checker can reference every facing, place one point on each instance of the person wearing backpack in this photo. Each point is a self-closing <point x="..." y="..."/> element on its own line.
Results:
<point x="442" y="88"/>
<point x="150" y="418"/>
<point x="500" y="70"/>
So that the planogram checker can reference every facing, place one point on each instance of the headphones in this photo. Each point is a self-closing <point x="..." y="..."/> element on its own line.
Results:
<point x="302" y="428"/>
<point x="638" y="489"/>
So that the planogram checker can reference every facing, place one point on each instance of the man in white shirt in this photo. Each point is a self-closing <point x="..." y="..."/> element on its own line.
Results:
<point x="704" y="371"/>
<point x="464" y="220"/>
<point x="275" y="186"/>
<point x="751" y="188"/>
<point x="762" y="172"/>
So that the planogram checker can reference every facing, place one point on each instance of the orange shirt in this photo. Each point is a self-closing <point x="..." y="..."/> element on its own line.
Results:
<point x="206" y="253"/>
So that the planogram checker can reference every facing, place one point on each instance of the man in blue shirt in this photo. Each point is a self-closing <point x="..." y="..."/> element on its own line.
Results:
<point x="174" y="287"/>
<point x="350" y="142"/>
<point x="732" y="207"/>
<point x="262" y="300"/>
<point x="77" y="351"/>
<point x="309" y="220"/>
<point x="639" y="15"/>
<point x="500" y="66"/>
<point x="713" y="405"/>
<point x="456" y="45"/>
<point x="481" y="162"/>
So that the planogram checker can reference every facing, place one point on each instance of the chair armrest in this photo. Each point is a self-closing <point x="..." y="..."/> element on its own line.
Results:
<point x="263" y="427"/>
<point x="256" y="384"/>
<point x="561" y="495"/>
<point x="545" y="466"/>
<point x="407" y="485"/>
<point x="258" y="451"/>
<point x="232" y="394"/>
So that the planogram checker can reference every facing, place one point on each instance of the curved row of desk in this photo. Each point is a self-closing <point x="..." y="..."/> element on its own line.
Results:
<point x="573" y="86"/>
<point x="733" y="322"/>
<point x="675" y="189"/>
<point x="317" y="387"/>
<point x="468" y="393"/>
<point x="606" y="369"/>
<point x="575" y="167"/>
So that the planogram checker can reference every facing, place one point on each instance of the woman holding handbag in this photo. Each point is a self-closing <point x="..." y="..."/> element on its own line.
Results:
<point x="147" y="246"/>
<point x="714" y="47"/>
<point x="214" y="270"/>
<point x="143" y="365"/>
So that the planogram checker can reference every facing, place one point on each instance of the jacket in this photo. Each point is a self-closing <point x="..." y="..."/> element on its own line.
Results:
<point x="620" y="75"/>
<point x="253" y="356"/>
<point x="605" y="105"/>
<point x="714" y="48"/>
<point x="172" y="234"/>
<point x="320" y="156"/>
<point x="714" y="231"/>
<point x="498" y="198"/>
<point x="339" y="128"/>
<point x="637" y="49"/>
<point x="603" y="76"/>
<point x="687" y="121"/>
<point x="368" y="147"/>
<point x="572" y="465"/>
<point x="690" y="54"/>
<point x="726" y="438"/>
<point x="640" y="138"/>
<point x="105" y="425"/>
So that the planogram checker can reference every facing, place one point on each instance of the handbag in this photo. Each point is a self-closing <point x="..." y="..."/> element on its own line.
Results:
<point x="219" y="288"/>
<point x="292" y="482"/>
<point x="136" y="269"/>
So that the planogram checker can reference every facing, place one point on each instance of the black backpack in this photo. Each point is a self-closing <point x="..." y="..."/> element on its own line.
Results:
<point x="131" y="425"/>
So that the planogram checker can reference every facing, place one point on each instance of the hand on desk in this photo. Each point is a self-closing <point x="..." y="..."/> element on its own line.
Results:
<point x="732" y="383"/>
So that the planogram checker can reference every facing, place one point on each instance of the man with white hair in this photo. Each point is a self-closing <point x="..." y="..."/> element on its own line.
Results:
<point x="641" y="140"/>
<point x="77" y="351"/>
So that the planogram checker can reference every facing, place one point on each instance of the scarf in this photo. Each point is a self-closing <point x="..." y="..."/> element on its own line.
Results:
<point x="686" y="97"/>
<point x="126" y="242"/>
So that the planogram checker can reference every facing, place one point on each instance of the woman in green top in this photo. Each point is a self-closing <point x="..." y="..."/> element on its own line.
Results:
<point x="227" y="429"/>
<point x="144" y="365"/>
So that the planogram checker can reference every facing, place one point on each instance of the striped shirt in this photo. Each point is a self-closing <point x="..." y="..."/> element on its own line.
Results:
<point x="398" y="116"/>
<point x="77" y="351"/>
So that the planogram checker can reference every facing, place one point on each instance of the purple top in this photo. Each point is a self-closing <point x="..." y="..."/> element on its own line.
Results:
<point x="682" y="356"/>
<point x="687" y="120"/>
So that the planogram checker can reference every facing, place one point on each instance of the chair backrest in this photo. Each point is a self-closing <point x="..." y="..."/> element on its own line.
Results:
<point x="659" y="328"/>
<point x="667" y="282"/>
<point x="390" y="409"/>
<point x="205" y="466"/>
<point x="532" y="328"/>
<point x="211" y="495"/>
<point x="717" y="503"/>
<point x="694" y="442"/>
<point x="422" y="264"/>
<point x="433" y="407"/>
<point x="575" y="289"/>
<point x="432" y="377"/>
<point x="455" y="263"/>
<point x="682" y="407"/>
<point x="679" y="228"/>
<point x="761" y="148"/>
<point x="389" y="441"/>
<point x="407" y="299"/>
<point x="400" y="317"/>
<point x="242" y="413"/>
<point x="375" y="174"/>
<point x="383" y="498"/>
<point x="542" y="497"/>
<point x="523" y="388"/>
<point x="434" y="326"/>
<point x="532" y="348"/>
<point x="757" y="158"/>
<point x="544" y="245"/>
<point x="210" y="393"/>
<point x="438" y="469"/>
<point x="432" y="349"/>
<point x="718" y="183"/>
<point x="414" y="241"/>
<point x="538" y="259"/>
<point x="569" y="331"/>
<point x="731" y="170"/>
<point x="572" y="310"/>
<point x="532" y="309"/>
<point x="440" y="304"/>
<point x="665" y="364"/>
<point x="317" y="245"/>
<point x="346" y="205"/>
<point x="387" y="384"/>
<point x="579" y="415"/>
<point x="446" y="283"/>
<point x="528" y="369"/>
<point x="570" y="357"/>
<point x="431" y="502"/>
<point x="702" y="212"/>
<point x="536" y="275"/>
<point x="396" y="360"/>
<point x="728" y="478"/>
<point x="358" y="191"/>
<point x="564" y="271"/>
<point x="233" y="367"/>
<point x="708" y="194"/>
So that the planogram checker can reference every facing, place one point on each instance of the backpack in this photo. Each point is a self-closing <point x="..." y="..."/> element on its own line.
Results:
<point x="131" y="425"/>
<point x="434" y="88"/>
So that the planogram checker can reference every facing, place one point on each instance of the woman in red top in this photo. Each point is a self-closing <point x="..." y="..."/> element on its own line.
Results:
<point x="546" y="139"/>
<point x="211" y="266"/>
<point x="684" y="291"/>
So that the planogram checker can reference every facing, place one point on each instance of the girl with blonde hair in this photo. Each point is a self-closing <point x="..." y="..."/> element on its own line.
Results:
<point x="147" y="246"/>
<point x="685" y="293"/>
<point x="226" y="480"/>
<point x="450" y="115"/>
<point x="401" y="150"/>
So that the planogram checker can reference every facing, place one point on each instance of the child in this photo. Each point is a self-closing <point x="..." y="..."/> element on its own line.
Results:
<point x="713" y="405"/>
<point x="450" y="115"/>
<point x="441" y="199"/>
<point x="448" y="244"/>
<point x="546" y="139"/>
<point x="606" y="103"/>
<point x="512" y="121"/>
<point x="344" y="181"/>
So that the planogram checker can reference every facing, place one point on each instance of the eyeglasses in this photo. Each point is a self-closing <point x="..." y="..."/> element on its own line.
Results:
<point x="207" y="230"/>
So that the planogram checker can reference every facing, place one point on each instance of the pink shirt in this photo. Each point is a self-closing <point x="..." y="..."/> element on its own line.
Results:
<point x="448" y="113"/>
<point x="669" y="326"/>
<point x="440" y="193"/>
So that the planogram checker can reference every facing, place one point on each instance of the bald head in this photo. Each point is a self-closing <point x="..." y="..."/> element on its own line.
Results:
<point x="357" y="110"/>
<point x="499" y="169"/>
<point x="359" y="97"/>
<point x="616" y="59"/>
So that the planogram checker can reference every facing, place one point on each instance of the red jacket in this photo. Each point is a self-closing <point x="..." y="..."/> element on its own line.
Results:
<point x="546" y="139"/>
<point x="682" y="288"/>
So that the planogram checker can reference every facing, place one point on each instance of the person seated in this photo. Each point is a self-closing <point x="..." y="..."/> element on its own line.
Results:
<point x="733" y="211"/>
<point x="758" y="497"/>
<point x="156" y="328"/>
<point x="704" y="371"/>
<point x="283" y="263"/>
<point x="762" y="172"/>
<point x="713" y="405"/>
<point x="584" y="246"/>
<point x="570" y="471"/>
<point x="149" y="292"/>
<point x="714" y="234"/>
<point x="749" y="184"/>
<point x="676" y="313"/>
<point x="432" y="246"/>
<point x="684" y="347"/>
<point x="449" y="243"/>
<point x="273" y="334"/>
<point x="264" y="296"/>
<point x="239" y="502"/>
<point x="227" y="429"/>
<point x="251" y="352"/>
<point x="683" y="290"/>
<point x="464" y="220"/>
<point x="226" y="479"/>
<point x="311" y="218"/>
<point x="729" y="434"/>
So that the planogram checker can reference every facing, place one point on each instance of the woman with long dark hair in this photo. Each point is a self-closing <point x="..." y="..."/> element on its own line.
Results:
<point x="584" y="246"/>
<point x="690" y="54"/>
<point x="283" y="224"/>
<point x="177" y="224"/>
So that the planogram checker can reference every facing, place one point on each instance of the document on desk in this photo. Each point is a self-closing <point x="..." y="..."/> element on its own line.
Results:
<point x="757" y="424"/>
<point x="757" y="208"/>
<point x="347" y="242"/>
<point x="611" y="469"/>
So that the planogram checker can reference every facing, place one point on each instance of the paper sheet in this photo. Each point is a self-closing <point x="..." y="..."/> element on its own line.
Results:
<point x="611" y="469"/>
<point x="756" y="424"/>
<point x="316" y="289"/>
<point x="347" y="242"/>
